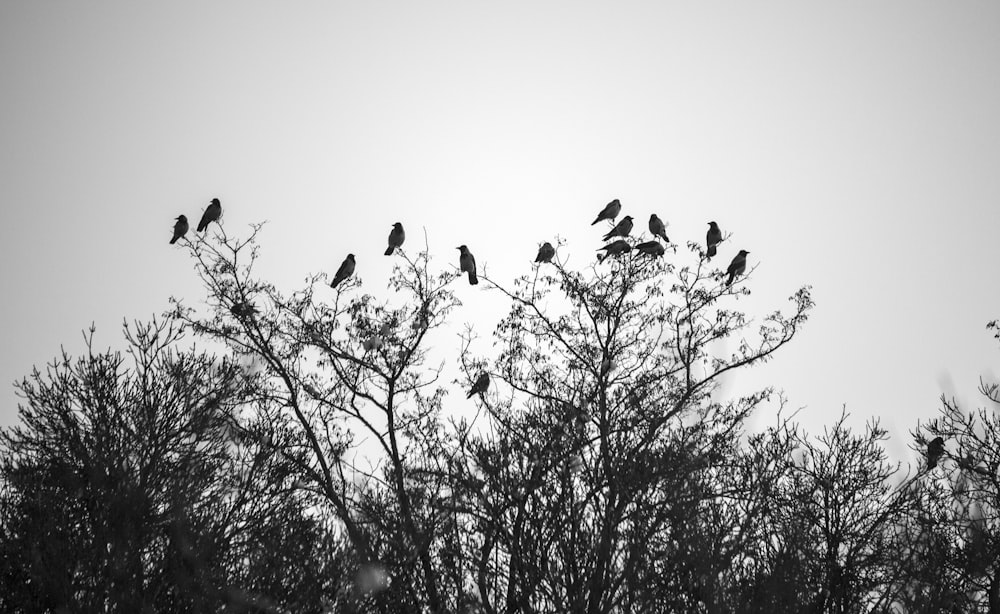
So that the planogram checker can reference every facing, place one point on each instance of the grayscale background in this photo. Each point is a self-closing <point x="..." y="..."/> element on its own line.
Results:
<point x="854" y="146"/>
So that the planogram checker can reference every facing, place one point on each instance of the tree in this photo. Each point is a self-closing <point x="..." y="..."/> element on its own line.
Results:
<point x="130" y="486"/>
<point x="605" y="477"/>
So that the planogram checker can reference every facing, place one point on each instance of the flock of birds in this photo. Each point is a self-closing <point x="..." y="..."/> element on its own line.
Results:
<point x="467" y="262"/>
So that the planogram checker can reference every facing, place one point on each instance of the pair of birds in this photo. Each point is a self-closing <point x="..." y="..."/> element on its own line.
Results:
<point x="396" y="237"/>
<point x="739" y="264"/>
<point x="212" y="214"/>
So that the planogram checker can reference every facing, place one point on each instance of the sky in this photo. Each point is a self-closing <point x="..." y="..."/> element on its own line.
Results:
<point x="852" y="146"/>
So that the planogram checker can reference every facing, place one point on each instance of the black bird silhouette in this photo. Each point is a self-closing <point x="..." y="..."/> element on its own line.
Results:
<point x="737" y="266"/>
<point x="658" y="228"/>
<point x="622" y="229"/>
<point x="243" y="309"/>
<point x="180" y="228"/>
<point x="935" y="450"/>
<point x="212" y="214"/>
<point x="713" y="238"/>
<point x="651" y="248"/>
<point x="545" y="253"/>
<point x="482" y="383"/>
<point x="609" y="212"/>
<point x="615" y="248"/>
<point x="467" y="264"/>
<point x="346" y="270"/>
<point x="396" y="237"/>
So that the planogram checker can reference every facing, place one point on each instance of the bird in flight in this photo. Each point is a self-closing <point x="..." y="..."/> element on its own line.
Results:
<point x="545" y="253"/>
<point x="651" y="248"/>
<point x="396" y="237"/>
<point x="935" y="450"/>
<point x="713" y="238"/>
<point x="180" y="228"/>
<point x="467" y="263"/>
<point x="212" y="214"/>
<point x="621" y="229"/>
<point x="482" y="383"/>
<point x="609" y="212"/>
<point x="737" y="266"/>
<point x="658" y="228"/>
<point x="346" y="270"/>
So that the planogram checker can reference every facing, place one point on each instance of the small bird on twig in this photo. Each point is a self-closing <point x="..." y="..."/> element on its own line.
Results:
<point x="467" y="264"/>
<point x="621" y="229"/>
<point x="180" y="228"/>
<point x="396" y="237"/>
<point x="212" y="214"/>
<point x="713" y="238"/>
<point x="737" y="266"/>
<point x="346" y="270"/>
<point x="545" y="253"/>
<point x="658" y="228"/>
<point x="482" y="383"/>
<point x="609" y="212"/>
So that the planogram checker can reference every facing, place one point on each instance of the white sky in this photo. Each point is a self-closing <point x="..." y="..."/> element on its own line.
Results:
<point x="854" y="146"/>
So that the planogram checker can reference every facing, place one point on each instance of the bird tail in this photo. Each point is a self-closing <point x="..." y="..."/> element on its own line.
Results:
<point x="471" y="394"/>
<point x="729" y="281"/>
<point x="389" y="250"/>
<point x="711" y="251"/>
<point x="202" y="226"/>
<point x="595" y="221"/>
<point x="174" y="240"/>
<point x="473" y="280"/>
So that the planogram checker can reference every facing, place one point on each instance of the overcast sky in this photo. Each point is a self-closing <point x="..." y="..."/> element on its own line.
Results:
<point x="854" y="146"/>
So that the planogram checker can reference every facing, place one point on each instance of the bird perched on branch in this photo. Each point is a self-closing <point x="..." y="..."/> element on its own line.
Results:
<point x="651" y="248"/>
<point x="621" y="229"/>
<point x="346" y="270"/>
<point x="180" y="228"/>
<point x="658" y="228"/>
<point x="609" y="212"/>
<point x="935" y="450"/>
<point x="243" y="310"/>
<point x="467" y="264"/>
<point x="737" y="266"/>
<point x="396" y="237"/>
<point x="212" y="214"/>
<point x="545" y="253"/>
<point x="615" y="248"/>
<point x="482" y="383"/>
<point x="713" y="238"/>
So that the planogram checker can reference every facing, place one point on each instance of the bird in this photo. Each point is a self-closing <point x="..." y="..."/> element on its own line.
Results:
<point x="180" y="228"/>
<point x="651" y="248"/>
<point x="467" y="264"/>
<point x="346" y="270"/>
<point x="545" y="253"/>
<point x="372" y="343"/>
<point x="658" y="228"/>
<point x="482" y="383"/>
<point x="737" y="266"/>
<point x="396" y="237"/>
<point x="243" y="310"/>
<point x="609" y="212"/>
<point x="615" y="248"/>
<point x="621" y="229"/>
<point x="935" y="450"/>
<point x="713" y="238"/>
<point x="212" y="214"/>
